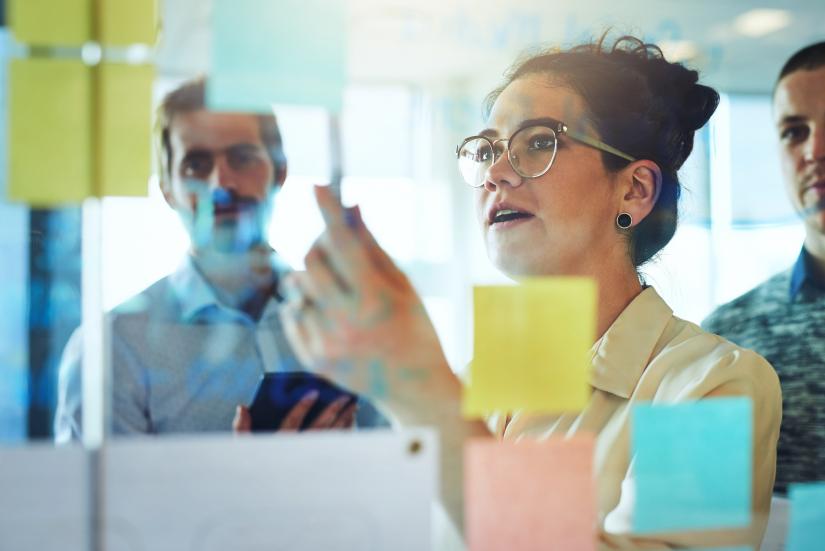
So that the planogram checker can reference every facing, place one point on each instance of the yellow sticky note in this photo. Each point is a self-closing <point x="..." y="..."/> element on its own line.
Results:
<point x="49" y="131"/>
<point x="124" y="118"/>
<point x="51" y="22"/>
<point x="124" y="22"/>
<point x="530" y="346"/>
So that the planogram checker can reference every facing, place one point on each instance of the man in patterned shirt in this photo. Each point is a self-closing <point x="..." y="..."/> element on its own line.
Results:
<point x="783" y="319"/>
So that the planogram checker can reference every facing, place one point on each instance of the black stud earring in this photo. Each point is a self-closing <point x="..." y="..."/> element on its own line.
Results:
<point x="624" y="221"/>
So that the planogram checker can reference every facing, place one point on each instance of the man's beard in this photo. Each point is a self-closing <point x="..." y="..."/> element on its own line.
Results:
<point x="813" y="209"/>
<point x="228" y="223"/>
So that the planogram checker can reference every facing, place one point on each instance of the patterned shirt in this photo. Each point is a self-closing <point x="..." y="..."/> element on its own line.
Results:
<point x="783" y="319"/>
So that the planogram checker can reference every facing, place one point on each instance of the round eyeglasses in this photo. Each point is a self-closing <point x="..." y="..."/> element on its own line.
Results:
<point x="531" y="151"/>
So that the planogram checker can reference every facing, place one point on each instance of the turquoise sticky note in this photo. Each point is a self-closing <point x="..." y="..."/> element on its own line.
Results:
<point x="692" y="465"/>
<point x="807" y="520"/>
<point x="285" y="52"/>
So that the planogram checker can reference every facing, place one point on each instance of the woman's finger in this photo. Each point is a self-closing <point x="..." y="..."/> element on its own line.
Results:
<point x="297" y="333"/>
<point x="332" y="211"/>
<point x="379" y="256"/>
<point x="327" y="417"/>
<point x="297" y="289"/>
<point x="295" y="418"/>
<point x="323" y="282"/>
<point x="346" y="254"/>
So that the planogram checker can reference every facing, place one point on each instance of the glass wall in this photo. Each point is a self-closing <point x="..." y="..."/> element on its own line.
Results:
<point x="145" y="250"/>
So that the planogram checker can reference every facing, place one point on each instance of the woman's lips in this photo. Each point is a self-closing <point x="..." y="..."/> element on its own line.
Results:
<point x="507" y="224"/>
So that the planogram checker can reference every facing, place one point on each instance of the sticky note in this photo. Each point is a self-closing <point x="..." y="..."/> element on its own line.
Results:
<point x="51" y="22"/>
<point x="530" y="346"/>
<point x="530" y="495"/>
<point x="124" y="22"/>
<point x="286" y="52"/>
<point x="692" y="465"/>
<point x="4" y="69"/>
<point x="125" y="123"/>
<point x="807" y="520"/>
<point x="44" y="504"/>
<point x="377" y="495"/>
<point x="49" y="131"/>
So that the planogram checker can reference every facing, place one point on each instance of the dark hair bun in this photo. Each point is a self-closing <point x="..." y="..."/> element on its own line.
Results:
<point x="692" y="103"/>
<point x="700" y="103"/>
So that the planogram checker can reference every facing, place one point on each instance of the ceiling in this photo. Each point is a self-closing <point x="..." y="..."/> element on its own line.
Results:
<point x="471" y="42"/>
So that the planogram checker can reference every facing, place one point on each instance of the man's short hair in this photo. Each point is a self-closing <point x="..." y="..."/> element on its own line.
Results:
<point x="807" y="59"/>
<point x="191" y="96"/>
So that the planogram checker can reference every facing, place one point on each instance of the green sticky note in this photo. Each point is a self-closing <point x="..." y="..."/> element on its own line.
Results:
<point x="49" y="131"/>
<point x="124" y="117"/>
<point x="124" y="22"/>
<point x="51" y="22"/>
<point x="286" y="52"/>
<point x="530" y="346"/>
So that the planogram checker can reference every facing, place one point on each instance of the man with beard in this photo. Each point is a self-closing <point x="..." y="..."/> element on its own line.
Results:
<point x="783" y="319"/>
<point x="191" y="348"/>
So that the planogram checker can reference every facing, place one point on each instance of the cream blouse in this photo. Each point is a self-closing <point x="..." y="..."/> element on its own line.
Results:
<point x="648" y="354"/>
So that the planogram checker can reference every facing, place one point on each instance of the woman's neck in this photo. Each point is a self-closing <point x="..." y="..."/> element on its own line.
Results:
<point x="617" y="289"/>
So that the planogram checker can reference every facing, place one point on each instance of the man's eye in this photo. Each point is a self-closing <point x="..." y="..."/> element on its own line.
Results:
<point x="243" y="158"/>
<point x="198" y="165"/>
<point x="794" y="134"/>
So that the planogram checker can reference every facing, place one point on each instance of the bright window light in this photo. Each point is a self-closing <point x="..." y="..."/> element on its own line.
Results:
<point x="761" y="22"/>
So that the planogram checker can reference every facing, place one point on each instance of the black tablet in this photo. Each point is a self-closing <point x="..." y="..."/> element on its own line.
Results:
<point x="278" y="393"/>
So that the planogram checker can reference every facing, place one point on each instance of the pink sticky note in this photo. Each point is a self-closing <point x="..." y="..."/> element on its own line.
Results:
<point x="530" y="495"/>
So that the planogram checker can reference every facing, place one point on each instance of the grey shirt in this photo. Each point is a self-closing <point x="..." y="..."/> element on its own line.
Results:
<point x="181" y="361"/>
<point x="783" y="319"/>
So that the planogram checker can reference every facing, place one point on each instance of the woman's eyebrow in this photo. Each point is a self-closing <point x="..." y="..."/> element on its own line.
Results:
<point x="541" y="121"/>
<point x="792" y="119"/>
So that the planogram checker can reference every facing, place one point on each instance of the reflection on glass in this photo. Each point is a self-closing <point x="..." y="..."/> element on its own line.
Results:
<point x="191" y="348"/>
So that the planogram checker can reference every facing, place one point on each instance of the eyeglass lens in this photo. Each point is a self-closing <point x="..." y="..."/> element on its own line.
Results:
<point x="199" y="163"/>
<point x="531" y="152"/>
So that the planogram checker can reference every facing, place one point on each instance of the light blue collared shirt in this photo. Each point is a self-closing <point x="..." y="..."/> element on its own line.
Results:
<point x="181" y="361"/>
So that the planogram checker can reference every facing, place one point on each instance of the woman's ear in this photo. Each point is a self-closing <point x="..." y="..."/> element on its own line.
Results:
<point x="642" y="183"/>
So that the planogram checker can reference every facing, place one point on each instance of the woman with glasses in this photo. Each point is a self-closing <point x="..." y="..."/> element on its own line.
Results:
<point x="574" y="174"/>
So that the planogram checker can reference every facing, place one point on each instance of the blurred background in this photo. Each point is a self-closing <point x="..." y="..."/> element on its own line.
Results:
<point x="417" y="71"/>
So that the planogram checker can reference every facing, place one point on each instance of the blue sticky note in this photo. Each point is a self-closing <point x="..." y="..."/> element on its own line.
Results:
<point x="807" y="519"/>
<point x="286" y="52"/>
<point x="692" y="465"/>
